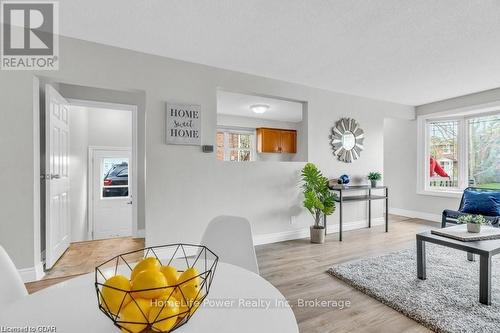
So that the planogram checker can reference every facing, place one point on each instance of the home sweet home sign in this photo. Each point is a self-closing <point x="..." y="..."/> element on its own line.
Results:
<point x="183" y="124"/>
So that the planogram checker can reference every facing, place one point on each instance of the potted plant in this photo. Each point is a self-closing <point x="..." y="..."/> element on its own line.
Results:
<point x="374" y="177"/>
<point x="473" y="222"/>
<point x="318" y="200"/>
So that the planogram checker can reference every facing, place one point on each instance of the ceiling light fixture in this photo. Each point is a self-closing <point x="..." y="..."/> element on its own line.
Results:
<point x="259" y="108"/>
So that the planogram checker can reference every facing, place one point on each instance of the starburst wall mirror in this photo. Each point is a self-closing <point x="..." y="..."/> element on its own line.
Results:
<point x="347" y="140"/>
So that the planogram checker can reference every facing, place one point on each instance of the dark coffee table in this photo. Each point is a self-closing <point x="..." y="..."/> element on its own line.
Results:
<point x="484" y="248"/>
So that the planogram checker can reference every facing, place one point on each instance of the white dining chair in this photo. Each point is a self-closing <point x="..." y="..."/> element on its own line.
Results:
<point x="230" y="237"/>
<point x="11" y="285"/>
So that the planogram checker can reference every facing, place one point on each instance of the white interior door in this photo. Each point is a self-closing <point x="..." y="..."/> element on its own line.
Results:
<point x="111" y="193"/>
<point x="57" y="218"/>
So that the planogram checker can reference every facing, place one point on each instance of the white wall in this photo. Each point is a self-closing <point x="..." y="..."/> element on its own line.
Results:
<point x="91" y="127"/>
<point x="111" y="128"/>
<point x="224" y="120"/>
<point x="78" y="157"/>
<point x="479" y="98"/>
<point x="400" y="165"/>
<point x="18" y="151"/>
<point x="185" y="188"/>
<point x="248" y="122"/>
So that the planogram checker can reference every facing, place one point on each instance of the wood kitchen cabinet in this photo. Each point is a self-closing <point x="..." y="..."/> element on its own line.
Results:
<point x="275" y="140"/>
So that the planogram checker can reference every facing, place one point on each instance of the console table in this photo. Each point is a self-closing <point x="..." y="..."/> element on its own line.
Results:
<point x="342" y="198"/>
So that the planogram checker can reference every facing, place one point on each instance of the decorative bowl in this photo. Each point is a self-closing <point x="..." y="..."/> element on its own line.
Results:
<point x="183" y="257"/>
<point x="344" y="179"/>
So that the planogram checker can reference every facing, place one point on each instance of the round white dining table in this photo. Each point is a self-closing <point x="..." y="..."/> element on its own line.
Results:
<point x="238" y="301"/>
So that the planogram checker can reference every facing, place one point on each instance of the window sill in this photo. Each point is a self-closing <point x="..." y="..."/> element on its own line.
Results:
<point x="443" y="193"/>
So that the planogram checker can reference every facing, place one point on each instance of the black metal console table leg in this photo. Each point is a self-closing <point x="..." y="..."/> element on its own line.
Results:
<point x="340" y="216"/>
<point x="421" y="269"/>
<point x="485" y="279"/>
<point x="386" y="209"/>
<point x="369" y="208"/>
<point x="324" y="222"/>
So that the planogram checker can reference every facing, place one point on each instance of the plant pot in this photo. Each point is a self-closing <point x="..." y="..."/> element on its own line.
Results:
<point x="473" y="227"/>
<point x="374" y="183"/>
<point x="317" y="235"/>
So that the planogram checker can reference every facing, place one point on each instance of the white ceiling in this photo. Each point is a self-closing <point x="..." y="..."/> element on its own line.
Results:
<point x="235" y="104"/>
<point x="406" y="51"/>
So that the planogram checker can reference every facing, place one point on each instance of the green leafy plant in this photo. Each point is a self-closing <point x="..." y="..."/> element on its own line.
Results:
<point x="474" y="219"/>
<point x="375" y="176"/>
<point x="318" y="199"/>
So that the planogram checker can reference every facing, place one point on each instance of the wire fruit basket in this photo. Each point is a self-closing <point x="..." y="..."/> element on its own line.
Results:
<point x="155" y="289"/>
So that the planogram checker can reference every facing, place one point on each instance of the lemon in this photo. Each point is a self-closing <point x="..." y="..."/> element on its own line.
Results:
<point x="189" y="299"/>
<point x="148" y="263"/>
<point x="193" y="304"/>
<point x="171" y="274"/>
<point x="189" y="292"/>
<point x="191" y="276"/>
<point x="136" y="315"/>
<point x="149" y="279"/>
<point x="112" y="299"/>
<point x="163" y="318"/>
<point x="167" y="298"/>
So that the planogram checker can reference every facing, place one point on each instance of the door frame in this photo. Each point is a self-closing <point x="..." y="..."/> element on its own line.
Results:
<point x="90" y="187"/>
<point x="123" y="107"/>
<point x="37" y="272"/>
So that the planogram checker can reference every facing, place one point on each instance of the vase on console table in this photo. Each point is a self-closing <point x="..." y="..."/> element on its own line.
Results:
<point x="374" y="177"/>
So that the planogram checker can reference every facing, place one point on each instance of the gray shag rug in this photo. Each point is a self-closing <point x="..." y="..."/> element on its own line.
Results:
<point x="448" y="301"/>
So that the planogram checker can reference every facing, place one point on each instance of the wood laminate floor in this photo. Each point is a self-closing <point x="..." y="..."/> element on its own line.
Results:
<point x="83" y="257"/>
<point x="298" y="269"/>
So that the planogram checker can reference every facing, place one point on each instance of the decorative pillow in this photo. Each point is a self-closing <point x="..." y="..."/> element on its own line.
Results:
<point x="483" y="203"/>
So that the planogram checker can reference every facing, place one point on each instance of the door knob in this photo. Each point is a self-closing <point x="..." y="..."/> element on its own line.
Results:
<point x="129" y="202"/>
<point x="55" y="176"/>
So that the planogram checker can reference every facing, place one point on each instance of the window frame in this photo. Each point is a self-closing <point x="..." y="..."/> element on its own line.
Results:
<point x="227" y="150"/>
<point x="423" y="148"/>
<point x="461" y="154"/>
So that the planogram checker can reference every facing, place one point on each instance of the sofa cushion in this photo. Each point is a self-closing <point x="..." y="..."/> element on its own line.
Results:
<point x="484" y="203"/>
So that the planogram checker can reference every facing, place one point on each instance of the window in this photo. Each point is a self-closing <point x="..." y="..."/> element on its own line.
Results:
<point x="443" y="148"/>
<point x="115" y="177"/>
<point x="235" y="145"/>
<point x="484" y="151"/>
<point x="461" y="152"/>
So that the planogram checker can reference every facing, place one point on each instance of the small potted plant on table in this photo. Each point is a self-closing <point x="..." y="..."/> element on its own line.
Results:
<point x="318" y="200"/>
<point x="474" y="222"/>
<point x="374" y="177"/>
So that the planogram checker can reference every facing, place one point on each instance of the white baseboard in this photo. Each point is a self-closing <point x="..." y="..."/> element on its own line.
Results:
<point x="415" y="214"/>
<point x="304" y="232"/>
<point x="31" y="274"/>
<point x="140" y="233"/>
